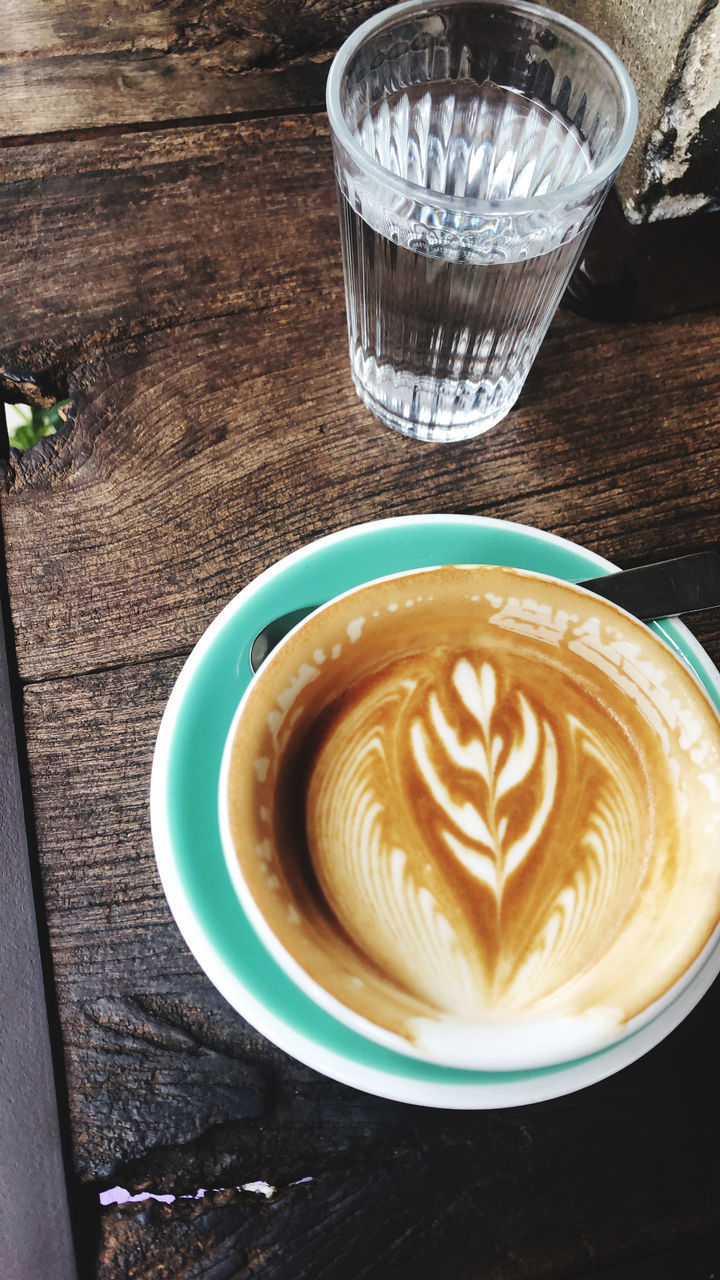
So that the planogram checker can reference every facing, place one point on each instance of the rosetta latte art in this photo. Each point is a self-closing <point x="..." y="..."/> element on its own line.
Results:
<point x="475" y="814"/>
<point x="471" y="832"/>
<point x="482" y="845"/>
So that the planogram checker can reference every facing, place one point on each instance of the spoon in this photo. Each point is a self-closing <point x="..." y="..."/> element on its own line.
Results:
<point x="649" y="591"/>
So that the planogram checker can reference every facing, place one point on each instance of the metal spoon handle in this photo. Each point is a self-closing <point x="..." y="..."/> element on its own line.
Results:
<point x="665" y="589"/>
<point x="662" y="590"/>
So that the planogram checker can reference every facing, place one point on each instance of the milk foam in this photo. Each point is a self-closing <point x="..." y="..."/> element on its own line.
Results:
<point x="493" y="809"/>
<point x="438" y="788"/>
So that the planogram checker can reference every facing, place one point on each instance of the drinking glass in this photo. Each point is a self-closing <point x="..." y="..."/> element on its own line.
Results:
<point x="474" y="143"/>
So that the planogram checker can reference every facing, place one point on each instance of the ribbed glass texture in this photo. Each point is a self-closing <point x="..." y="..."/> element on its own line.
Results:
<point x="474" y="143"/>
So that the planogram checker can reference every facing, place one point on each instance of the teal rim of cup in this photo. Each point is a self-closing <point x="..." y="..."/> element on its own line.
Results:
<point x="184" y="789"/>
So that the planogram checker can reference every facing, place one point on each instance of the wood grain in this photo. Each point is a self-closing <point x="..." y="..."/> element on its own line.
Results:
<point x="113" y="237"/>
<point x="108" y="238"/>
<point x="32" y="1165"/>
<point x="65" y="66"/>
<point x="214" y="428"/>
<point x="196" y="458"/>
<point x="171" y="1091"/>
<point x="311" y="1231"/>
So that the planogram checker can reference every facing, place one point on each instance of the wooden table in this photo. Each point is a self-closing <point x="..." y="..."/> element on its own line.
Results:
<point x="171" y="263"/>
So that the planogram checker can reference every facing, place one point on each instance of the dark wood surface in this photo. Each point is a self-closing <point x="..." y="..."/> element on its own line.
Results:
<point x="183" y="286"/>
<point x="66" y="66"/>
<point x="32" y="1160"/>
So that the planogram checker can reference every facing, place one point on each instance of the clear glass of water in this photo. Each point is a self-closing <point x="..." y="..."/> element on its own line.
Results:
<point x="474" y="143"/>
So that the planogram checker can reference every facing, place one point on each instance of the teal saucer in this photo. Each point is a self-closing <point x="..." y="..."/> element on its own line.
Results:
<point x="184" y="805"/>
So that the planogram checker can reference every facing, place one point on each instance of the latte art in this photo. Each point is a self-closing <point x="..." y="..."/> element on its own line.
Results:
<point x="476" y="814"/>
<point x="481" y="844"/>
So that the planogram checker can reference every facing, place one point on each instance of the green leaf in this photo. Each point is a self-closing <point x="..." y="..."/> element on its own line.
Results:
<point x="36" y="423"/>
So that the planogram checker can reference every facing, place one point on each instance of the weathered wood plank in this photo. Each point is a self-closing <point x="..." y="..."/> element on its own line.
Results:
<point x="171" y="1091"/>
<point x="32" y="1166"/>
<point x="197" y="454"/>
<point x="136" y="1010"/>
<point x="65" y="66"/>
<point x="314" y="1231"/>
<point x="105" y="238"/>
<point x="197" y="457"/>
<point x="109" y="238"/>
<point x="694" y="1260"/>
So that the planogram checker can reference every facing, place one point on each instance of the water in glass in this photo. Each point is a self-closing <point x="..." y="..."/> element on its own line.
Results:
<point x="444" y="322"/>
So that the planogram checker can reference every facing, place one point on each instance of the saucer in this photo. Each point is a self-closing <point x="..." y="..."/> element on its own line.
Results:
<point x="186" y="835"/>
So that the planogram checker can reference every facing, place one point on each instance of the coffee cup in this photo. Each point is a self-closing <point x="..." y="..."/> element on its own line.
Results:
<point x="473" y="812"/>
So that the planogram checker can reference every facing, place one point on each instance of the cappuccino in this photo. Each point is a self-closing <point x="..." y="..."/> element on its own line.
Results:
<point x="474" y="812"/>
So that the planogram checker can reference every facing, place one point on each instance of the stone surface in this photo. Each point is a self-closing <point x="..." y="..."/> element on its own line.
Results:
<point x="671" y="49"/>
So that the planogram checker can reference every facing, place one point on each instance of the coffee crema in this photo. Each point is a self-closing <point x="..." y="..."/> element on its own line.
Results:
<point x="478" y="810"/>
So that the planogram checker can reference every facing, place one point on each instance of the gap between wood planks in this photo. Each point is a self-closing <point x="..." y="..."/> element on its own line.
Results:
<point x="121" y="664"/>
<point x="158" y="126"/>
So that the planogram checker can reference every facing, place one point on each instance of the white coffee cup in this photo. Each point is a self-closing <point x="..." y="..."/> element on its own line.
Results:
<point x="473" y="813"/>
